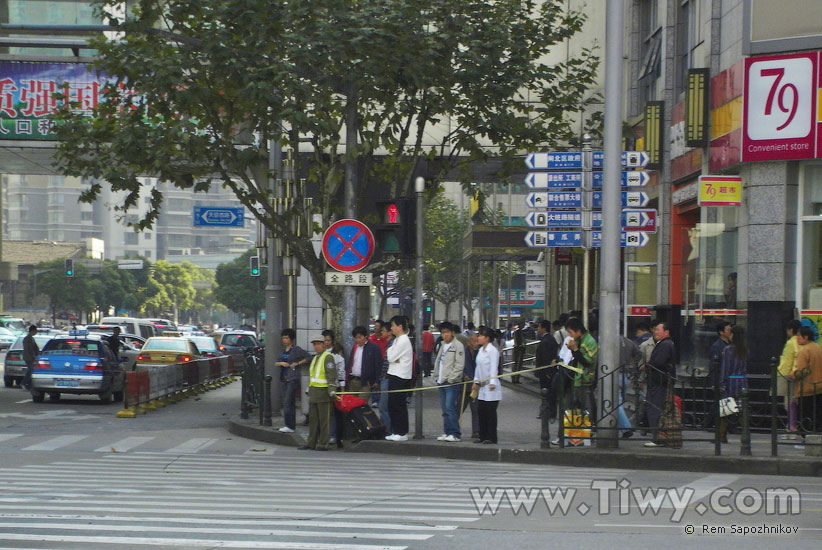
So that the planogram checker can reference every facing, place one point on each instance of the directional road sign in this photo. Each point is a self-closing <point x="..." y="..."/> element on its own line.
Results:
<point x="632" y="219"/>
<point x="573" y="199"/>
<point x="547" y="239"/>
<point x="219" y="216"/>
<point x="639" y="220"/>
<point x="570" y="180"/>
<point x="558" y="160"/>
<point x="348" y="245"/>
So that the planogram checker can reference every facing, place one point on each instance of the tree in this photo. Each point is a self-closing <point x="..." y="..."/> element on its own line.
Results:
<point x="175" y="290"/>
<point x="198" y="90"/>
<point x="115" y="289"/>
<point x="236" y="289"/>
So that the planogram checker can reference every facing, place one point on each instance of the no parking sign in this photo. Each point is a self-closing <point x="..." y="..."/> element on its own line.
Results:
<point x="348" y="245"/>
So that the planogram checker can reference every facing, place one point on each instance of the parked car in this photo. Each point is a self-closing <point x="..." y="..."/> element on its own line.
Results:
<point x="78" y="363"/>
<point x="14" y="368"/>
<point x="132" y="325"/>
<point x="165" y="350"/>
<point x="7" y="338"/>
<point x="15" y="324"/>
<point x="238" y="342"/>
<point x="206" y="345"/>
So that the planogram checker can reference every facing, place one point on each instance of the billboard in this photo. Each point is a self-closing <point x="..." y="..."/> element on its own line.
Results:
<point x="27" y="91"/>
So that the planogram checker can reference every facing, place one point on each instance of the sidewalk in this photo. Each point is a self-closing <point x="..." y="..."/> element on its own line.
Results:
<point x="519" y="429"/>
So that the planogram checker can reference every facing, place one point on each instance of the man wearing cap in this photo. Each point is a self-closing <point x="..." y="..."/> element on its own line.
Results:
<point x="322" y="387"/>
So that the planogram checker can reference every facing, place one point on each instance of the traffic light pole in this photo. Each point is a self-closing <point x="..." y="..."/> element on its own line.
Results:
<point x="419" y="187"/>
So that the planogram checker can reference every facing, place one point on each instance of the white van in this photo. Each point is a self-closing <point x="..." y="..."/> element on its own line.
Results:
<point x="132" y="325"/>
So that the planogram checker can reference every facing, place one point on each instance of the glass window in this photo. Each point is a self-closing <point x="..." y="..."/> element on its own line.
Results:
<point x="810" y="248"/>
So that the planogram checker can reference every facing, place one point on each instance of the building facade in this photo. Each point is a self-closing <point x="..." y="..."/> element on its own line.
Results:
<point x="727" y="90"/>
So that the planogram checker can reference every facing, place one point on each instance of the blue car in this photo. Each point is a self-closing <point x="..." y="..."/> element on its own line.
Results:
<point x="78" y="363"/>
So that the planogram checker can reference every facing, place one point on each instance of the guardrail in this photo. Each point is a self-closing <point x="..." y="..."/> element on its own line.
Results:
<point x="150" y="387"/>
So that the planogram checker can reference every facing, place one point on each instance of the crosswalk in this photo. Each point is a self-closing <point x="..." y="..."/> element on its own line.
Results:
<point x="331" y="502"/>
<point x="107" y="444"/>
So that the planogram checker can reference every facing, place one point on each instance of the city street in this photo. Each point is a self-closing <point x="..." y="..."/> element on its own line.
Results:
<point x="74" y="476"/>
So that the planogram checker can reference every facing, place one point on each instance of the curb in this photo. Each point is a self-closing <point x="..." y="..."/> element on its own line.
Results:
<point x="663" y="459"/>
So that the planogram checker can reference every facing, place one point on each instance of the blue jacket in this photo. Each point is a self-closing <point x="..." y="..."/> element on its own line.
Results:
<point x="371" y="363"/>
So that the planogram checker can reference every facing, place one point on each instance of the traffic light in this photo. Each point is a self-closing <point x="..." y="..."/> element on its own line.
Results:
<point x="396" y="231"/>
<point x="254" y="266"/>
<point x="69" y="267"/>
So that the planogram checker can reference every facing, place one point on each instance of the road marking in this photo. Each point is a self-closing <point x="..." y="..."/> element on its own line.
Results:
<point x="123" y="445"/>
<point x="6" y="437"/>
<point x="24" y="401"/>
<point x="56" y="443"/>
<point x="217" y="531"/>
<point x="192" y="445"/>
<point x="198" y="543"/>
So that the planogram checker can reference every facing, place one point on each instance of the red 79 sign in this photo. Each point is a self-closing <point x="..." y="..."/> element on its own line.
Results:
<point x="780" y="107"/>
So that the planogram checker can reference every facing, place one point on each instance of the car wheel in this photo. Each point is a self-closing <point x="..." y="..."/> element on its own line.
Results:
<point x="8" y="381"/>
<point x="54" y="397"/>
<point x="38" y="396"/>
<point x="105" y="397"/>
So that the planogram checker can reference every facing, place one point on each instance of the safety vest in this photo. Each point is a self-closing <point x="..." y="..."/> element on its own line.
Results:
<point x="317" y="371"/>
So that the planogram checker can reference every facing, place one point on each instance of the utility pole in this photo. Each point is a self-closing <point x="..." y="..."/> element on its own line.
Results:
<point x="419" y="187"/>
<point x="274" y="288"/>
<point x="610" y="249"/>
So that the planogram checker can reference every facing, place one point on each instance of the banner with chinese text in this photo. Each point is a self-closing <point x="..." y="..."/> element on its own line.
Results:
<point x="27" y="99"/>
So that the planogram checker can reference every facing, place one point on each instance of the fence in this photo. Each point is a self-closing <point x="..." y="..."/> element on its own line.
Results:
<point x="764" y="405"/>
<point x="151" y="386"/>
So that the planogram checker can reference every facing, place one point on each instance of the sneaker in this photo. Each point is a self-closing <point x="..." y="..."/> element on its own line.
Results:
<point x="286" y="430"/>
<point x="400" y="438"/>
<point x="451" y="438"/>
<point x="332" y="441"/>
<point x="627" y="434"/>
<point x="653" y="444"/>
<point x="390" y="437"/>
<point x="555" y="441"/>
<point x="443" y="437"/>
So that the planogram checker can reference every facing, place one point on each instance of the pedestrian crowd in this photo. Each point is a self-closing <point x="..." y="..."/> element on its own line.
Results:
<point x="466" y="365"/>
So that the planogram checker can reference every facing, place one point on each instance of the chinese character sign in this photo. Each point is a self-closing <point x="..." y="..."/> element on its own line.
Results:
<point x="27" y="96"/>
<point x="720" y="191"/>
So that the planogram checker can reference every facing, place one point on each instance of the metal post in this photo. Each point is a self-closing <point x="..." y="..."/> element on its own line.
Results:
<point x="774" y="375"/>
<point x="481" y="296"/>
<point x="745" y="439"/>
<point x="717" y="418"/>
<point x="545" y="432"/>
<point x="562" y="407"/>
<point x="546" y="301"/>
<point x="243" y="390"/>
<point x="611" y="214"/>
<point x="273" y="290"/>
<point x="267" y="400"/>
<point x="419" y="187"/>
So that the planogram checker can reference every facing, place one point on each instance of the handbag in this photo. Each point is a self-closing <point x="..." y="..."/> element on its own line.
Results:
<point x="346" y="402"/>
<point x="670" y="421"/>
<point x="727" y="407"/>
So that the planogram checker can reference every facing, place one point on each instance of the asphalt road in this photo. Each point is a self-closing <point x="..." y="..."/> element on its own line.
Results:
<point x="74" y="476"/>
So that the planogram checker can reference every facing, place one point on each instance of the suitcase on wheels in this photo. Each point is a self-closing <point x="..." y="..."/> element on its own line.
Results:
<point x="366" y="423"/>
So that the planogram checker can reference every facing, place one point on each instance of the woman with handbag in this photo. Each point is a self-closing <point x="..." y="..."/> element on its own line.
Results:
<point x="733" y="373"/>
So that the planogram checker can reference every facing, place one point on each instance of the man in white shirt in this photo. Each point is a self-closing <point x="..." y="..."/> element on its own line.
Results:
<point x="400" y="358"/>
<point x="449" y="363"/>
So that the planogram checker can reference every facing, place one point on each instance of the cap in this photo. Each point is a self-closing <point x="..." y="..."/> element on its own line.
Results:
<point x="319" y="338"/>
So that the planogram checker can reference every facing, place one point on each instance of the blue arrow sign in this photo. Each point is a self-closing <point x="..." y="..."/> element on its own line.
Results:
<point x="210" y="216"/>
<point x="554" y="199"/>
<point x="570" y="180"/>
<point x="548" y="239"/>
<point x="631" y="219"/>
<point x="558" y="160"/>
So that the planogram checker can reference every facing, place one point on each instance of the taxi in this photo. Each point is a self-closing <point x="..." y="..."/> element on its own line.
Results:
<point x="77" y="363"/>
<point x="206" y="345"/>
<point x="167" y="350"/>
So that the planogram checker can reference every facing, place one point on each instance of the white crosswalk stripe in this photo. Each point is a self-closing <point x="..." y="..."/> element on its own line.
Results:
<point x="241" y="501"/>
<point x="55" y="443"/>
<point x="123" y="445"/>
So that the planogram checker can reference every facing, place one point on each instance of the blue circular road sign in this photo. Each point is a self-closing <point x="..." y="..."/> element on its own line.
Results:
<point x="348" y="245"/>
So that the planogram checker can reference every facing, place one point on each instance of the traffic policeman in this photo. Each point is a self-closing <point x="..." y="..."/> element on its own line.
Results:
<point x="321" y="391"/>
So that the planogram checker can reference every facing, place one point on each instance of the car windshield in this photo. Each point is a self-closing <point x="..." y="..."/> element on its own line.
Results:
<point x="205" y="343"/>
<point x="41" y="341"/>
<point x="239" y="340"/>
<point x="165" y="344"/>
<point x="15" y="325"/>
<point x="72" y="347"/>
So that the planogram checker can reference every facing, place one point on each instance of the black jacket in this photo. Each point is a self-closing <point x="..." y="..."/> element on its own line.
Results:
<point x="662" y="363"/>
<point x="371" y="363"/>
<point x="547" y="352"/>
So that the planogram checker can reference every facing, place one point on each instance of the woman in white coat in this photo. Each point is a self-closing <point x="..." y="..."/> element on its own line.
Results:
<point x="488" y="387"/>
